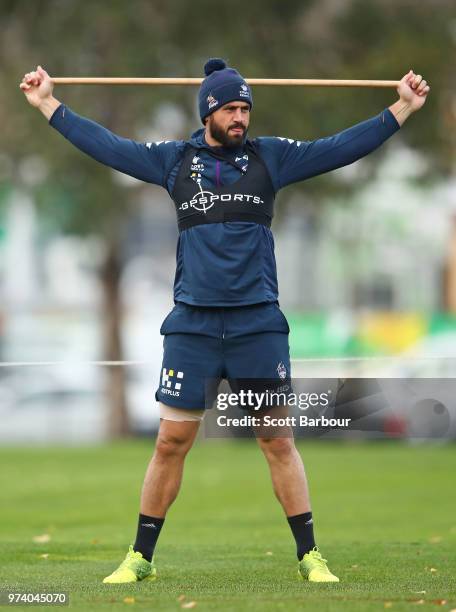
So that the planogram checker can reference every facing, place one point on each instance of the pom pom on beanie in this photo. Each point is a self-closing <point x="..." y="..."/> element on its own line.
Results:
<point x="215" y="63"/>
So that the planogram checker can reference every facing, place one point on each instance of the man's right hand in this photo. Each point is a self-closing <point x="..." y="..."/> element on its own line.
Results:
<point x="37" y="87"/>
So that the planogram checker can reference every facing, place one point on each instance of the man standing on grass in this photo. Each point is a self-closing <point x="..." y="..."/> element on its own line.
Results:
<point x="226" y="322"/>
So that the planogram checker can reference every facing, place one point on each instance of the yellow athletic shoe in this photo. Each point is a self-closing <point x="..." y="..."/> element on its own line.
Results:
<point x="132" y="569"/>
<point x="313" y="568"/>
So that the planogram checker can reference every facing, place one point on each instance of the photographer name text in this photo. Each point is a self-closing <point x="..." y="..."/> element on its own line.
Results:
<point x="289" y="421"/>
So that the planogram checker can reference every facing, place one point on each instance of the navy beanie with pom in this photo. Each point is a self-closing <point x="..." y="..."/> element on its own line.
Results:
<point x="221" y="85"/>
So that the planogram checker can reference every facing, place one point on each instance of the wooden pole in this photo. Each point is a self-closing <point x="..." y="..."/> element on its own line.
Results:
<point x="197" y="81"/>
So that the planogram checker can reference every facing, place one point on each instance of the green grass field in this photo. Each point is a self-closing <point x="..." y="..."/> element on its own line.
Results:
<point x="384" y="516"/>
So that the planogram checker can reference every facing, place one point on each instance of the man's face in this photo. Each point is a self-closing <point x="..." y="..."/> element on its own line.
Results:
<point x="229" y="124"/>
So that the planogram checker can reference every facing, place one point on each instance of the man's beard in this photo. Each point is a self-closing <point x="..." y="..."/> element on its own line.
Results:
<point x="222" y="136"/>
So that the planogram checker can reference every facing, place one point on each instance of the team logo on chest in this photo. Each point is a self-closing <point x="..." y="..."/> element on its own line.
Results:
<point x="196" y="166"/>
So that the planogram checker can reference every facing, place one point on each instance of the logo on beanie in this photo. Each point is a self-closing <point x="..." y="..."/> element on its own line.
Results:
<point x="211" y="101"/>
<point x="244" y="93"/>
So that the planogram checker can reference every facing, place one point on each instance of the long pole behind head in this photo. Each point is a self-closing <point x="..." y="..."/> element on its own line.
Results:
<point x="198" y="81"/>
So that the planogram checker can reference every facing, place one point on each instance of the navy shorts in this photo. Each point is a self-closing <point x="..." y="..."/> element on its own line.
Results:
<point x="247" y="345"/>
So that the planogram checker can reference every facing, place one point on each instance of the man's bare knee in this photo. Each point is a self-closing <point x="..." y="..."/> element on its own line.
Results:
<point x="276" y="447"/>
<point x="175" y="438"/>
<point x="168" y="446"/>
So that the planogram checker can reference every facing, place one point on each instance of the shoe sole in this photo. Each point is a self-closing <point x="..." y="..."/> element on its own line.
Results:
<point x="301" y="577"/>
<point x="150" y="578"/>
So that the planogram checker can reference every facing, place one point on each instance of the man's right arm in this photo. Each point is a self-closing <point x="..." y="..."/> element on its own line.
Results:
<point x="147" y="162"/>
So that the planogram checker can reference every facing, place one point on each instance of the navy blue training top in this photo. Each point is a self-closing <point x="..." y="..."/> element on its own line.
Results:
<point x="212" y="250"/>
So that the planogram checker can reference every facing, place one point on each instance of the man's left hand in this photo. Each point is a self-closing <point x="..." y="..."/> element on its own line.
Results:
<point x="413" y="90"/>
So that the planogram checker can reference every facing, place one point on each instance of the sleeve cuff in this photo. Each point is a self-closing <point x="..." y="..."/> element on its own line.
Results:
<point x="390" y="121"/>
<point x="60" y="119"/>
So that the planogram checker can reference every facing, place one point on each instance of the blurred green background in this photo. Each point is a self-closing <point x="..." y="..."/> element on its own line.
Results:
<point x="367" y="269"/>
<point x="366" y="254"/>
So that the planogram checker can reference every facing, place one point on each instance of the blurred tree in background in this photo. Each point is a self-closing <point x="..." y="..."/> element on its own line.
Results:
<point x="378" y="39"/>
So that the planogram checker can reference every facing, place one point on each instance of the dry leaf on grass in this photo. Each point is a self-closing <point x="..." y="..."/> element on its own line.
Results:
<point x="44" y="556"/>
<point x="181" y="598"/>
<point x="189" y="604"/>
<point x="42" y="539"/>
<point x="129" y="600"/>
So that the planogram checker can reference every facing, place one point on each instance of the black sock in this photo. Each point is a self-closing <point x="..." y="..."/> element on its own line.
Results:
<point x="149" y="528"/>
<point x="302" y="528"/>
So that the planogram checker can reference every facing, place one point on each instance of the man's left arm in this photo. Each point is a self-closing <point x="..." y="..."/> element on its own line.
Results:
<point x="292" y="161"/>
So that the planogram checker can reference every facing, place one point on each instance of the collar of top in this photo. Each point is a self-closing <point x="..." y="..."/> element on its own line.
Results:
<point x="221" y="85"/>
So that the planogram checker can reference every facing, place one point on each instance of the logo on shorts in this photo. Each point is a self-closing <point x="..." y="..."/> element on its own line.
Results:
<point x="281" y="371"/>
<point x="169" y="381"/>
